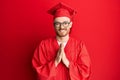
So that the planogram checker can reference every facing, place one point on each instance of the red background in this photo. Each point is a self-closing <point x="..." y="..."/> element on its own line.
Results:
<point x="23" y="23"/>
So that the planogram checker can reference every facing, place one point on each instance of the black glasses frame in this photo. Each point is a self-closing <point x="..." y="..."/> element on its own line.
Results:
<point x="59" y="24"/>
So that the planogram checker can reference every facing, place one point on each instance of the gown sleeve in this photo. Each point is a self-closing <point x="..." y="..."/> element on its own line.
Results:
<point x="45" y="69"/>
<point x="80" y="69"/>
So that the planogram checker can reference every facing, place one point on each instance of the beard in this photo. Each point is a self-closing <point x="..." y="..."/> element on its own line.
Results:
<point x="62" y="32"/>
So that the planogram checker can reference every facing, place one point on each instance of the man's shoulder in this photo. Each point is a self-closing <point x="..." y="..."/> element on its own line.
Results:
<point x="75" y="40"/>
<point x="47" y="40"/>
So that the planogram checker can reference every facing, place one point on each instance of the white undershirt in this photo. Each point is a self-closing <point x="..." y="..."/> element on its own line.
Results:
<point x="62" y="42"/>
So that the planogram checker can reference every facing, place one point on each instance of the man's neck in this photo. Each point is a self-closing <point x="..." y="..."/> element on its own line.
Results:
<point x="63" y="39"/>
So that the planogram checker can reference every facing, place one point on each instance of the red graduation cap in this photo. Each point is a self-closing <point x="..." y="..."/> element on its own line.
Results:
<point x="62" y="10"/>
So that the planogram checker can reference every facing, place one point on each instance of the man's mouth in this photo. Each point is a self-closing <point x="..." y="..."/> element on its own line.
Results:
<point x="62" y="30"/>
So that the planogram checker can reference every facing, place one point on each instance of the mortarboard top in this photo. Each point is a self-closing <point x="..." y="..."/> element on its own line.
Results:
<point x="62" y="10"/>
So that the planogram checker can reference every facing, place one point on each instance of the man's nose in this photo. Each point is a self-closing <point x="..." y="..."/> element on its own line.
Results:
<point x="61" y="26"/>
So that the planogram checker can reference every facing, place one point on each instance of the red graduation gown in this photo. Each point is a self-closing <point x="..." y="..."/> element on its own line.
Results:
<point x="45" y="54"/>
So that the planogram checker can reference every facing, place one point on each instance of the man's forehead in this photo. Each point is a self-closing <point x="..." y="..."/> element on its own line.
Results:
<point x="61" y="19"/>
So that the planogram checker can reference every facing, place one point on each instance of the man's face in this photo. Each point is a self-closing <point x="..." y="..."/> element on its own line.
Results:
<point x="62" y="26"/>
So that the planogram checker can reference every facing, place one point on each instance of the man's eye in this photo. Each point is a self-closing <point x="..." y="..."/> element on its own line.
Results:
<point x="65" y="23"/>
<point x="57" y="23"/>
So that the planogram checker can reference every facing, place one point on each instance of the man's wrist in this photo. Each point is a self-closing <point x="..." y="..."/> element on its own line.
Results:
<point x="67" y="65"/>
<point x="56" y="63"/>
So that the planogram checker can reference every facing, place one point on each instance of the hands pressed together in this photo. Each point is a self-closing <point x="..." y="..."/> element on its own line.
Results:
<point x="61" y="56"/>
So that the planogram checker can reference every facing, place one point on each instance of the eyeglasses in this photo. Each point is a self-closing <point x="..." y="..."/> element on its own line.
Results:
<point x="64" y="24"/>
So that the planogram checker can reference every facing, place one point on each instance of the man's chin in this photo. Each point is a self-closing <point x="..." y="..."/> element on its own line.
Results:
<point x="61" y="35"/>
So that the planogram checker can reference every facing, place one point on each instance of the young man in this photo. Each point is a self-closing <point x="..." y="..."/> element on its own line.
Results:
<point x="62" y="57"/>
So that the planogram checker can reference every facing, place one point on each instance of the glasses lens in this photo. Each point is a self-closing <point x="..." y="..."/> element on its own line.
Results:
<point x="57" y="24"/>
<point x="65" y="24"/>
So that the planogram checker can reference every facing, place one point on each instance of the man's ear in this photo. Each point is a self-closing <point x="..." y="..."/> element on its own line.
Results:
<point x="70" y="24"/>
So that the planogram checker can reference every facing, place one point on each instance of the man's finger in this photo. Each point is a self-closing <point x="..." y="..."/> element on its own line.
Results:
<point x="62" y="46"/>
